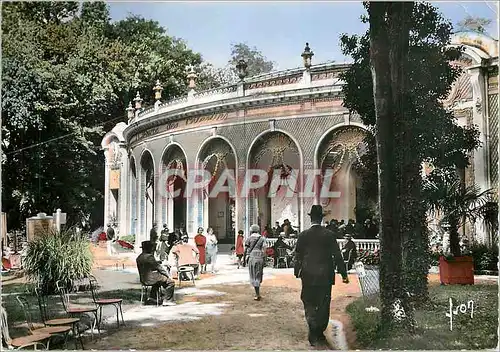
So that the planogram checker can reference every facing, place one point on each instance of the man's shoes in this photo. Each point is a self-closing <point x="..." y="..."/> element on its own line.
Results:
<point x="318" y="341"/>
<point x="169" y="303"/>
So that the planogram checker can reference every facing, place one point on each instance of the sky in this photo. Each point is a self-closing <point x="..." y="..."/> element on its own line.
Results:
<point x="278" y="29"/>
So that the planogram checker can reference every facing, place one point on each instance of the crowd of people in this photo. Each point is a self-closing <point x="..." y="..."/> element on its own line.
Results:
<point x="316" y="258"/>
<point x="368" y="229"/>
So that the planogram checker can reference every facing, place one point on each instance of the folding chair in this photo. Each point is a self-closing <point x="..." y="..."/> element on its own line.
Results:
<point x="73" y="309"/>
<point x="49" y="321"/>
<point x="346" y="262"/>
<point x="282" y="255"/>
<point x="144" y="293"/>
<point x="187" y="270"/>
<point x="62" y="330"/>
<point x="101" y="302"/>
<point x="24" y="341"/>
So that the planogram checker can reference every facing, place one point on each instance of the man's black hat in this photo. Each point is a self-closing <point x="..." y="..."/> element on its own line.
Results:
<point x="146" y="245"/>
<point x="316" y="211"/>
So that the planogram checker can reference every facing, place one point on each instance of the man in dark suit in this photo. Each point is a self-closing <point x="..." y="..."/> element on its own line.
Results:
<point x="152" y="273"/>
<point x="153" y="234"/>
<point x="316" y="255"/>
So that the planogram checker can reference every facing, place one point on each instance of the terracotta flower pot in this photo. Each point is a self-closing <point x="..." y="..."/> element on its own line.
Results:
<point x="456" y="270"/>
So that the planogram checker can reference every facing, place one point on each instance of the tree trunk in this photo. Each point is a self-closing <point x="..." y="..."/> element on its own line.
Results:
<point x="415" y="243"/>
<point x="454" y="238"/>
<point x="387" y="74"/>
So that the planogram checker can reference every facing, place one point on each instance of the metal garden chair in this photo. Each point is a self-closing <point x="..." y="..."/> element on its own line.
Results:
<point x="62" y="330"/>
<point x="282" y="255"/>
<point x="101" y="302"/>
<point x="75" y="309"/>
<point x="49" y="320"/>
<point x="24" y="341"/>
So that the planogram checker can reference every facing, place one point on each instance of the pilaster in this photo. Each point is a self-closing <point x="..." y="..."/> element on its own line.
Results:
<point x="106" y="187"/>
<point x="481" y="155"/>
<point x="124" y="195"/>
<point x="479" y="119"/>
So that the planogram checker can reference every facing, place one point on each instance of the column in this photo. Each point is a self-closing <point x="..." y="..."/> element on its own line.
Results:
<point x="481" y="155"/>
<point x="124" y="195"/>
<point x="106" y="188"/>
<point x="481" y="174"/>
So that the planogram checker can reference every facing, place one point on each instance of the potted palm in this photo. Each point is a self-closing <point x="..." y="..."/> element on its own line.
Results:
<point x="456" y="204"/>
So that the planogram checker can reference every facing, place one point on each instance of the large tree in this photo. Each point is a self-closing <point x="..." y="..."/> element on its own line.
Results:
<point x="429" y="75"/>
<point x="388" y="38"/>
<point x="257" y="63"/>
<point x="68" y="75"/>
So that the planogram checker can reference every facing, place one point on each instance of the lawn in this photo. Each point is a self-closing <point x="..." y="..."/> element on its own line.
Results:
<point x="433" y="326"/>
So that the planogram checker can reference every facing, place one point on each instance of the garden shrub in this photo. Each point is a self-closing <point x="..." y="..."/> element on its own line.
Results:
<point x="128" y="238"/>
<point x="485" y="258"/>
<point x="54" y="256"/>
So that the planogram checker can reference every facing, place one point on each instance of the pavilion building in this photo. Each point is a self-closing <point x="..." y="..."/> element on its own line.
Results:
<point x="283" y="123"/>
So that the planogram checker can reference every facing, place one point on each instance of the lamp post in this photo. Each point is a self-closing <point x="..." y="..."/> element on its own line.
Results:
<point x="307" y="56"/>
<point x="191" y="76"/>
<point x="241" y="67"/>
<point x="130" y="111"/>
<point x="158" y="89"/>
<point x="138" y="101"/>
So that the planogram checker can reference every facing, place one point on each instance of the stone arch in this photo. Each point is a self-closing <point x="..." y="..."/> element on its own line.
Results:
<point x="280" y="156"/>
<point x="336" y="154"/>
<point x="173" y="205"/>
<point x="146" y="193"/>
<point x="218" y="209"/>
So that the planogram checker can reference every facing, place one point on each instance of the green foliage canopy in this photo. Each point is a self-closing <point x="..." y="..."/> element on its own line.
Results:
<point x="68" y="75"/>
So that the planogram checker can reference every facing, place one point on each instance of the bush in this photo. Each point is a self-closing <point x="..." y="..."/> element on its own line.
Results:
<point x="368" y="257"/>
<point x="485" y="258"/>
<point x="55" y="256"/>
<point x="128" y="238"/>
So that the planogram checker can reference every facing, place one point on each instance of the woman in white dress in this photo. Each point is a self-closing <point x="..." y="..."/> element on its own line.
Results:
<point x="212" y="248"/>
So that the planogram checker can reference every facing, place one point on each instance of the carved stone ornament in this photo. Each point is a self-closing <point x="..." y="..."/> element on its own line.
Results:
<point x="115" y="155"/>
<point x="275" y="143"/>
<point x="346" y="145"/>
<point x="479" y="105"/>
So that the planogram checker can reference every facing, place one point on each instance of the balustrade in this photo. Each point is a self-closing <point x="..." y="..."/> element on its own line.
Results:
<point x="361" y="244"/>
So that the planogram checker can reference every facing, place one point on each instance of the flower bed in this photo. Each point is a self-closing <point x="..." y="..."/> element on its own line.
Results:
<point x="369" y="258"/>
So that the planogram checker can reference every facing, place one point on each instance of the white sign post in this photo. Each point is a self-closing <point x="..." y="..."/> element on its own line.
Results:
<point x="60" y="219"/>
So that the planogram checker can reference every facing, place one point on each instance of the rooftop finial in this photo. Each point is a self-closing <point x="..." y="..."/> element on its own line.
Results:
<point x="307" y="56"/>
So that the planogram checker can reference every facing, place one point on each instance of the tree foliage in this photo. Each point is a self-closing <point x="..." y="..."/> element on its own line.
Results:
<point x="429" y="131"/>
<point x="257" y="63"/>
<point x="458" y="203"/>
<point x="68" y="74"/>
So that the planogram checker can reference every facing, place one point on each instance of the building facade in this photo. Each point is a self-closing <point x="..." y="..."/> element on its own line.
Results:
<point x="285" y="124"/>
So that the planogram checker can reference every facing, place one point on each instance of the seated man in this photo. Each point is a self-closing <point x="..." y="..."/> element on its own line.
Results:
<point x="280" y="243"/>
<point x="152" y="273"/>
<point x="349" y="246"/>
<point x="187" y="255"/>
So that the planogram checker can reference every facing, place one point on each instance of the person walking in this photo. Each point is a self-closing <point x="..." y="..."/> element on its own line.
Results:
<point x="201" y="241"/>
<point x="316" y="255"/>
<point x="212" y="248"/>
<point x="255" y="247"/>
<point x="110" y="236"/>
<point x="240" y="248"/>
<point x="153" y="234"/>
